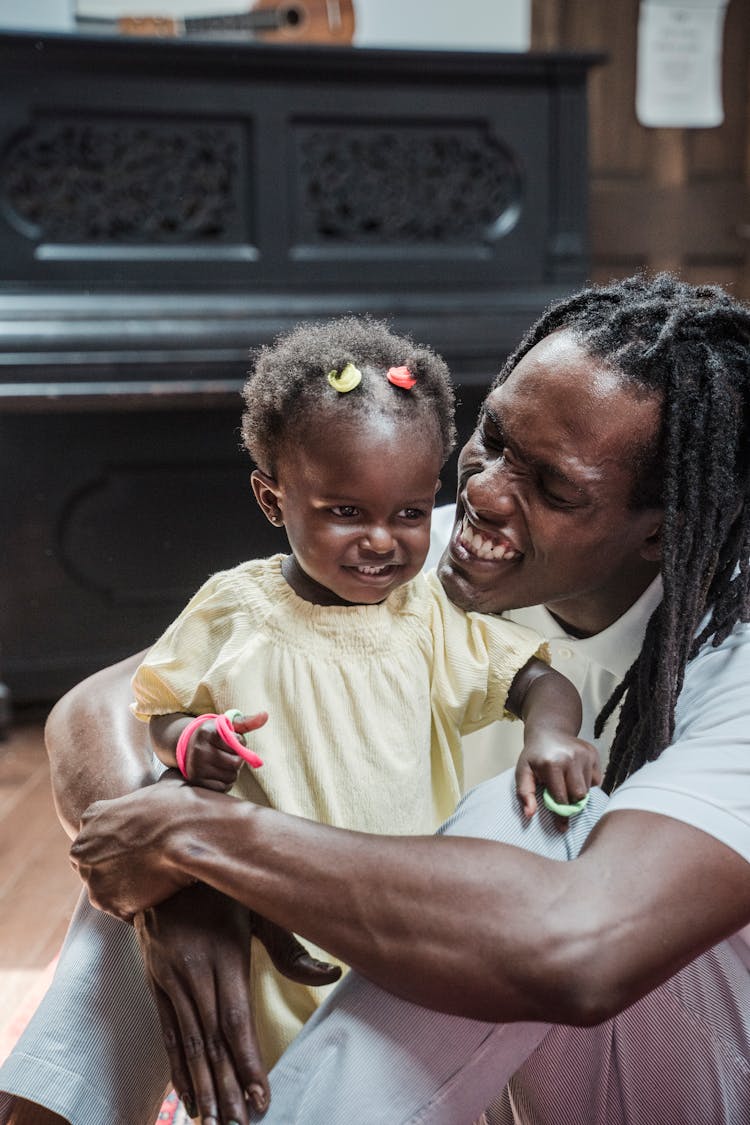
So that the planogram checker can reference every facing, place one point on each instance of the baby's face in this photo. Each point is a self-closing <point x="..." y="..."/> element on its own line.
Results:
<point x="356" y="498"/>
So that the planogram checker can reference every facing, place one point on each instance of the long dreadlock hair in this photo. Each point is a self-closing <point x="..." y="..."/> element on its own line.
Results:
<point x="691" y="346"/>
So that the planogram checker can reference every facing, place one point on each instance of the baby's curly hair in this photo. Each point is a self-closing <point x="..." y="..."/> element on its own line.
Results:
<point x="288" y="383"/>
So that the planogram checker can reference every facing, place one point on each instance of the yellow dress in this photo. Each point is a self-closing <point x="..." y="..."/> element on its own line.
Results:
<point x="367" y="706"/>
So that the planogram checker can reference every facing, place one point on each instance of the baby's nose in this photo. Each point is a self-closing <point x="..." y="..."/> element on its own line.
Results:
<point x="378" y="538"/>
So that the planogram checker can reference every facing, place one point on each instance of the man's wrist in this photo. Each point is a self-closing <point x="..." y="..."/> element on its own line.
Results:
<point x="211" y="829"/>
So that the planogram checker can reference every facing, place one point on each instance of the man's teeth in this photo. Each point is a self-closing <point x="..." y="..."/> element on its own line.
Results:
<point x="483" y="547"/>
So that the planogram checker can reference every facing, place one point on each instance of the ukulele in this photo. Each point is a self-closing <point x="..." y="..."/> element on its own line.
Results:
<point x="303" y="21"/>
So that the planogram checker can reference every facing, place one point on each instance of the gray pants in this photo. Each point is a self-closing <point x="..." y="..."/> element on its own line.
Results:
<point x="680" y="1055"/>
<point x="92" y="1051"/>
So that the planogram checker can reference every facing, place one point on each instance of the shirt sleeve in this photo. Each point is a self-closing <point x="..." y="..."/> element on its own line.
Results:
<point x="476" y="658"/>
<point x="176" y="673"/>
<point x="703" y="777"/>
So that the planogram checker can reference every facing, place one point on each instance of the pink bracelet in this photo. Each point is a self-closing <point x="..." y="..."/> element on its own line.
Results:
<point x="225" y="729"/>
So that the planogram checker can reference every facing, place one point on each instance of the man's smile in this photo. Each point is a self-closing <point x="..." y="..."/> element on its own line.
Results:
<point x="483" y="546"/>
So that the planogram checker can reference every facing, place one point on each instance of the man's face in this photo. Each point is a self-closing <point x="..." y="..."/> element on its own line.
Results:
<point x="544" y="486"/>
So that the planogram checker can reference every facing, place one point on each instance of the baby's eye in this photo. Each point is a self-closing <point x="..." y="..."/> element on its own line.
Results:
<point x="412" y="514"/>
<point x="345" y="511"/>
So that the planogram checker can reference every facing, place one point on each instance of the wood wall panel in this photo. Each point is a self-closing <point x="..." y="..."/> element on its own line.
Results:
<point x="675" y="199"/>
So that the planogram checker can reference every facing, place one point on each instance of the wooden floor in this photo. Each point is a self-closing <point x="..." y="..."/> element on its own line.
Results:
<point x="38" y="888"/>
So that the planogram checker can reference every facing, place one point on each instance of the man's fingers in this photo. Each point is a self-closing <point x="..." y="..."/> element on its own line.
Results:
<point x="291" y="958"/>
<point x="238" y="1030"/>
<point x="169" y="1024"/>
<point x="308" y="970"/>
<point x="201" y="1078"/>
<point x="178" y="1070"/>
<point x="214" y="1047"/>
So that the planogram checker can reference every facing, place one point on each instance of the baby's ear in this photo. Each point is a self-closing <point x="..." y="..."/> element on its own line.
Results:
<point x="268" y="494"/>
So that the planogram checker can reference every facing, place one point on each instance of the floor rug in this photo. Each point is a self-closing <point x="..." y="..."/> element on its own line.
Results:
<point x="172" y="1112"/>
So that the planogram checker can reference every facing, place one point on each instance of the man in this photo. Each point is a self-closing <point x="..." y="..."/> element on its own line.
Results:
<point x="612" y="450"/>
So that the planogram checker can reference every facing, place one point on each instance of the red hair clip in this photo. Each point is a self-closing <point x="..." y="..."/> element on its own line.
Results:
<point x="401" y="377"/>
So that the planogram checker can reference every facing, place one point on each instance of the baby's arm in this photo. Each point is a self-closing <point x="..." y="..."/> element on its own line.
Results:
<point x="552" y="753"/>
<point x="209" y="760"/>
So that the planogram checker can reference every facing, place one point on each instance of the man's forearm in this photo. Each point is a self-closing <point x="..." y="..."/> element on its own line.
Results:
<point x="411" y="913"/>
<point x="479" y="928"/>
<point x="96" y="748"/>
<point x="468" y="926"/>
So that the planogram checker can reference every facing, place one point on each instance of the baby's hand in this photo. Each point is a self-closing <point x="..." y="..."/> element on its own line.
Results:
<point x="565" y="765"/>
<point x="209" y="761"/>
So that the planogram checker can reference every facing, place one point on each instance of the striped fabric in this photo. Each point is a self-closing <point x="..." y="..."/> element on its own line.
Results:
<point x="677" y="1057"/>
<point x="92" y="1051"/>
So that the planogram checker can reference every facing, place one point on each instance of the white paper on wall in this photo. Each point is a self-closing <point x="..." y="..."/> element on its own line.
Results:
<point x="678" y="73"/>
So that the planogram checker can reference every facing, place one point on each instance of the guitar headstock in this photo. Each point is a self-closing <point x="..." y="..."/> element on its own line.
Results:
<point x="298" y="21"/>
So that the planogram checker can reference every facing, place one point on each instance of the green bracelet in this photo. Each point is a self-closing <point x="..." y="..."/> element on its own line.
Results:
<point x="232" y="714"/>
<point x="564" y="810"/>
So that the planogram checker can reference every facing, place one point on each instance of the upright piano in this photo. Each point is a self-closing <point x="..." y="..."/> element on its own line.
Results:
<point x="167" y="206"/>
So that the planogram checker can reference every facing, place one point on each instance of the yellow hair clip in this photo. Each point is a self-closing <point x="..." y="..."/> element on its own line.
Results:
<point x="345" y="380"/>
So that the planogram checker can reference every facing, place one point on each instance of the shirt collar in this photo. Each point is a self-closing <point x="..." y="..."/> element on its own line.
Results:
<point x="616" y="647"/>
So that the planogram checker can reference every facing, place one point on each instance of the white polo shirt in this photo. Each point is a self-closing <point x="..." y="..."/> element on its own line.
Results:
<point x="703" y="777"/>
<point x="596" y="665"/>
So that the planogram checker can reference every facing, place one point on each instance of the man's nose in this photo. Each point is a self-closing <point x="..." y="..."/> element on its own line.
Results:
<point x="492" y="491"/>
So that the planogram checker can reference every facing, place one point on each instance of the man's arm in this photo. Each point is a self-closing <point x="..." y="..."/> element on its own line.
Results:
<point x="465" y="926"/>
<point x="196" y="957"/>
<point x="96" y="748"/>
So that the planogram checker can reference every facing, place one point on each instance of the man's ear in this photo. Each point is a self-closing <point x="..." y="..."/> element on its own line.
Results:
<point x="651" y="546"/>
<point x="268" y="494"/>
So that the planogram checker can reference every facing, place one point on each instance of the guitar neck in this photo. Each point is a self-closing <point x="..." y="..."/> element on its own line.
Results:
<point x="268" y="19"/>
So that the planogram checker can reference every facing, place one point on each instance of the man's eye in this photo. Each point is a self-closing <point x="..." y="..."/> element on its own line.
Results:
<point x="554" y="500"/>
<point x="345" y="511"/>
<point x="493" y="439"/>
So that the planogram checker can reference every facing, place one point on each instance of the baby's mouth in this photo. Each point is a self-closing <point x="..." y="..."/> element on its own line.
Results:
<point x="483" y="546"/>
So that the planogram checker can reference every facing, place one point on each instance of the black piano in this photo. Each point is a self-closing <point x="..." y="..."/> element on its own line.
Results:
<point x="167" y="206"/>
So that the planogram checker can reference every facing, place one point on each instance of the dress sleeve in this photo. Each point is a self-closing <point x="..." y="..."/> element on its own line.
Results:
<point x="476" y="658"/>
<point x="176" y="673"/>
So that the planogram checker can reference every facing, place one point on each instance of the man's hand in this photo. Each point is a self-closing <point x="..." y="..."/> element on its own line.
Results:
<point x="120" y="851"/>
<point x="196" y="948"/>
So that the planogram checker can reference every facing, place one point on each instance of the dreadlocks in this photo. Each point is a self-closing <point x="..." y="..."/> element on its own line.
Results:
<point x="691" y="346"/>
